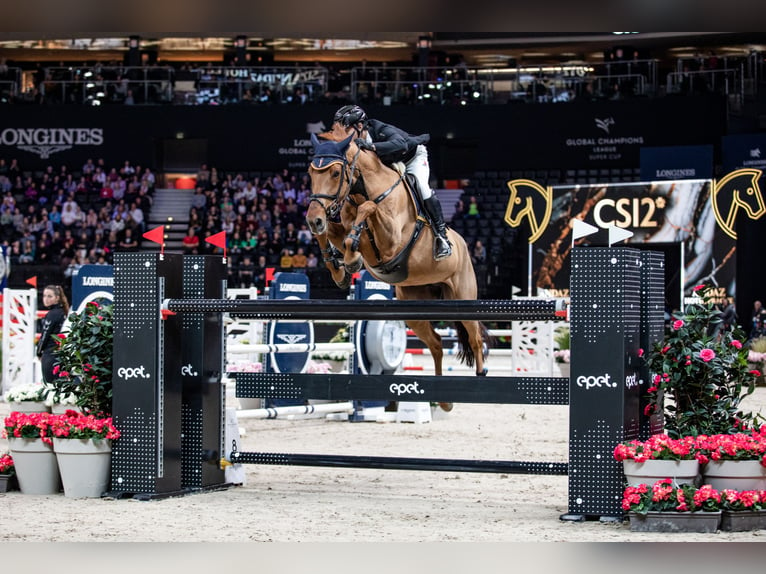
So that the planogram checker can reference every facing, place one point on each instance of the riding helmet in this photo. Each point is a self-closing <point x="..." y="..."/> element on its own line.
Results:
<point x="350" y="115"/>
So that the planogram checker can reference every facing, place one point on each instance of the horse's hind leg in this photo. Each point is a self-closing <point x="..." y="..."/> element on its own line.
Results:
<point x="431" y="339"/>
<point x="475" y="334"/>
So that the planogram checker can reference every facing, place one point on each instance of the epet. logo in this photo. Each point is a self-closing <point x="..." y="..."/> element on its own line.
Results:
<point x="128" y="373"/>
<point x="595" y="381"/>
<point x="400" y="389"/>
<point x="188" y="371"/>
<point x="631" y="381"/>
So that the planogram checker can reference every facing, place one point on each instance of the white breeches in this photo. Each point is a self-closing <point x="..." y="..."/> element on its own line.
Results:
<point x="419" y="168"/>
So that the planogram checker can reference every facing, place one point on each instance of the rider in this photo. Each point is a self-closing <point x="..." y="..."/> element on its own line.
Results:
<point x="393" y="144"/>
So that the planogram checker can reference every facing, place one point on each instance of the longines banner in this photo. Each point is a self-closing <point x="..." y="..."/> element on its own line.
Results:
<point x="697" y="215"/>
<point x="272" y="137"/>
<point x="676" y="162"/>
<point x="744" y="151"/>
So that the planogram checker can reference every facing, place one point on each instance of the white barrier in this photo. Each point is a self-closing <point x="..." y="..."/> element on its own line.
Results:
<point x="298" y="410"/>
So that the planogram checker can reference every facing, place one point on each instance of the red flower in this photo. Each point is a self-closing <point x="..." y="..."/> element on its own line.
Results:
<point x="640" y="352"/>
<point x="677" y="324"/>
<point x="736" y="344"/>
<point x="755" y="373"/>
<point x="707" y="355"/>
<point x="698" y="288"/>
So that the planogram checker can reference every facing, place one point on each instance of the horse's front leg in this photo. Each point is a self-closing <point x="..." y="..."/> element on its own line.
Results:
<point x="333" y="260"/>
<point x="352" y="258"/>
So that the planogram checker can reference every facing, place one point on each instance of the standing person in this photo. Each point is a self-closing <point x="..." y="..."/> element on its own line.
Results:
<point x="55" y="300"/>
<point x="393" y="144"/>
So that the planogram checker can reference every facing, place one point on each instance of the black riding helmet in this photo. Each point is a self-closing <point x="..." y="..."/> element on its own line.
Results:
<point x="350" y="116"/>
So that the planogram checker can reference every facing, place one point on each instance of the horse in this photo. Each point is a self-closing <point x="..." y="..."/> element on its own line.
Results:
<point x="353" y="190"/>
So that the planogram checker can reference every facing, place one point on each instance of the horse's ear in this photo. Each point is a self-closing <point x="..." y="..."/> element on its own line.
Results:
<point x="345" y="143"/>
<point x="314" y="140"/>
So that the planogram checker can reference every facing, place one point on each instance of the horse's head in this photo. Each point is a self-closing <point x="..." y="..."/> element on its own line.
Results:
<point x="330" y="181"/>
<point x="532" y="201"/>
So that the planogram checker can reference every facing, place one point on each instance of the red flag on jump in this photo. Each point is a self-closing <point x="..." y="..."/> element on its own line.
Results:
<point x="156" y="235"/>
<point x="269" y="274"/>
<point x="32" y="281"/>
<point x="219" y="240"/>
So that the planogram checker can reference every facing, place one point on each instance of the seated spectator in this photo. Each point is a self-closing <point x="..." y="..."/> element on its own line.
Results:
<point x="191" y="242"/>
<point x="286" y="260"/>
<point x="300" y="261"/>
<point x="246" y="272"/>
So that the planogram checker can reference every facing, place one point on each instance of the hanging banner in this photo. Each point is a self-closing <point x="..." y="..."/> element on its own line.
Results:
<point x="92" y="283"/>
<point x="676" y="162"/>
<point x="666" y="213"/>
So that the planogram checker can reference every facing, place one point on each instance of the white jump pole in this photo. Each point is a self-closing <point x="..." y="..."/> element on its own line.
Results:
<point x="281" y="412"/>
<point x="291" y="348"/>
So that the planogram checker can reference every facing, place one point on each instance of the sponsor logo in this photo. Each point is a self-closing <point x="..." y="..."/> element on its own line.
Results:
<point x="739" y="190"/>
<point x="592" y="381"/>
<point x="293" y="287"/>
<point x="755" y="153"/>
<point x="674" y="173"/>
<point x="379" y="285"/>
<point x="400" y="389"/>
<point x="604" y="124"/>
<point x="529" y="202"/>
<point x="188" y="371"/>
<point x="128" y="373"/>
<point x="46" y="141"/>
<point x="631" y="381"/>
<point x="291" y="338"/>
<point x="98" y="281"/>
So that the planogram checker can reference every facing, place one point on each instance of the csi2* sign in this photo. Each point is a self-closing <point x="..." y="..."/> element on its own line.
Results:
<point x="47" y="141"/>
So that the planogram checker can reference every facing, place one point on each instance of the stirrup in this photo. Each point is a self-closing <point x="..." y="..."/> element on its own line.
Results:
<point x="442" y="248"/>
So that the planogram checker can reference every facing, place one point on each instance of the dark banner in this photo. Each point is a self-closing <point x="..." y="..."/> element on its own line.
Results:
<point x="744" y="151"/>
<point x="676" y="162"/>
<point x="570" y="135"/>
<point x="678" y="217"/>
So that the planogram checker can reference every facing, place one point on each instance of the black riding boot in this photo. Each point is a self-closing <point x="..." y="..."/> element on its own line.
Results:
<point x="442" y="247"/>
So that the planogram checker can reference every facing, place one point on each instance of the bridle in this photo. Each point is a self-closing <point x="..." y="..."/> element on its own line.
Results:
<point x="347" y="171"/>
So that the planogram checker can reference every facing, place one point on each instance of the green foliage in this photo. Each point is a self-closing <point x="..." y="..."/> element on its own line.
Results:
<point x="701" y="368"/>
<point x="561" y="337"/>
<point x="85" y="356"/>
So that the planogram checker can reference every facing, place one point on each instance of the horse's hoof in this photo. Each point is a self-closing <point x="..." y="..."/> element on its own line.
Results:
<point x="346" y="281"/>
<point x="483" y="372"/>
<point x="355" y="266"/>
<point x="446" y="407"/>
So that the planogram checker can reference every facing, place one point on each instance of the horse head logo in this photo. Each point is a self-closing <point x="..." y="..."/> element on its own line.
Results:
<point x="531" y="201"/>
<point x="739" y="189"/>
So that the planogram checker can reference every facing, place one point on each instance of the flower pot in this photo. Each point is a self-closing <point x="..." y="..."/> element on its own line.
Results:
<point x="36" y="466"/>
<point x="85" y="466"/>
<point x="735" y="474"/>
<point x="704" y="522"/>
<point x="30" y="407"/>
<point x="742" y="520"/>
<point x="565" y="369"/>
<point x="8" y="482"/>
<point x="650" y="471"/>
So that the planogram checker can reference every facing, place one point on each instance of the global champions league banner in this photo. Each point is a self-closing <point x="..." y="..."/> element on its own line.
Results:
<point x="696" y="216"/>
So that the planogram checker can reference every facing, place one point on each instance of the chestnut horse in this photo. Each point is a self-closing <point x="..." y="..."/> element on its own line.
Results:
<point x="362" y="210"/>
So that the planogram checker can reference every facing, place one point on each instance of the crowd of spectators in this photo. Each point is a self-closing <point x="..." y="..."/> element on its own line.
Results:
<point x="68" y="216"/>
<point x="264" y="221"/>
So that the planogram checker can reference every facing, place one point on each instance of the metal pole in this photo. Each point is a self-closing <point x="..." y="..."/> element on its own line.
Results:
<point x="455" y="310"/>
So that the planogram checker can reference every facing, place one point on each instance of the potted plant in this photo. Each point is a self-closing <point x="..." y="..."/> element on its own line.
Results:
<point x="85" y="359"/>
<point x="701" y="370"/>
<point x="671" y="507"/>
<point x="29" y="398"/>
<point x="7" y="473"/>
<point x="660" y="456"/>
<point x="734" y="461"/>
<point x="743" y="510"/>
<point x="83" y="447"/>
<point x="30" y="438"/>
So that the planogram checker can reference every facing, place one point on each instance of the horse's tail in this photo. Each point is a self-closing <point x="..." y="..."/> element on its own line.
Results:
<point x="465" y="354"/>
